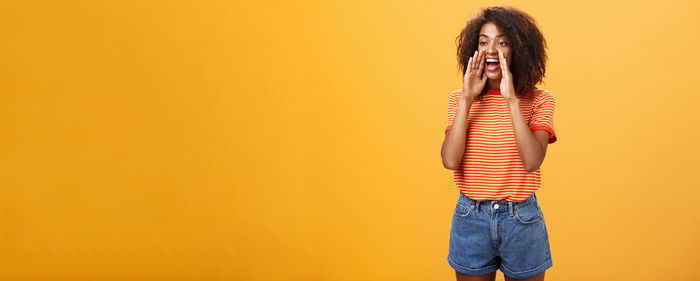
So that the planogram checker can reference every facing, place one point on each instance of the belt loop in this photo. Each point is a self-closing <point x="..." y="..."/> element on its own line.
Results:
<point x="477" y="205"/>
<point x="510" y="208"/>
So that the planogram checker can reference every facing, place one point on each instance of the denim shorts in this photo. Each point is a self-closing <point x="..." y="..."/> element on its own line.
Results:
<point x="488" y="235"/>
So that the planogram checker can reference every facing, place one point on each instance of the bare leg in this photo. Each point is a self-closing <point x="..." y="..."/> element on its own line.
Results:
<point x="533" y="278"/>
<point x="484" y="277"/>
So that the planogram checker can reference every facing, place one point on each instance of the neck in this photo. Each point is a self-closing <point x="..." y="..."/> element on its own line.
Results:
<point x="493" y="84"/>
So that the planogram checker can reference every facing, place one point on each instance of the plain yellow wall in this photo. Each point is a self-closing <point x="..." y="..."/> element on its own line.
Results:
<point x="299" y="140"/>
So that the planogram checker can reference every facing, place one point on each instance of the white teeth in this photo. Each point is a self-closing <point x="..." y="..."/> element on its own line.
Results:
<point x="491" y="60"/>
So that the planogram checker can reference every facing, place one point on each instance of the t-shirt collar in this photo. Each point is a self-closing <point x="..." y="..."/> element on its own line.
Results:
<point x="493" y="91"/>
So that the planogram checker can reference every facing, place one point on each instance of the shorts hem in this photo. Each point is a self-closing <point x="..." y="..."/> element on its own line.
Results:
<point x="470" y="271"/>
<point x="527" y="273"/>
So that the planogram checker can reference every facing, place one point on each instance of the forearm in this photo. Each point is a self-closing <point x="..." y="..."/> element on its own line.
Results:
<point x="530" y="149"/>
<point x="455" y="140"/>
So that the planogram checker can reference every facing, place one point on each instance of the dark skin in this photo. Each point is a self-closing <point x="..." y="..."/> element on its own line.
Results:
<point x="532" y="146"/>
<point x="492" y="276"/>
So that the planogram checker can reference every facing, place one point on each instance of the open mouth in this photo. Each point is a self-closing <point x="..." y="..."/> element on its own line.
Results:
<point x="492" y="64"/>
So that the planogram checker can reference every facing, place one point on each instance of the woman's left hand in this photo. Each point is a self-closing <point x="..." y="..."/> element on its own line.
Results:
<point x="507" y="89"/>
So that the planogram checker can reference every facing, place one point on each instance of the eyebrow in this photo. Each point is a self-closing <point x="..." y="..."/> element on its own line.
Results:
<point x="499" y="35"/>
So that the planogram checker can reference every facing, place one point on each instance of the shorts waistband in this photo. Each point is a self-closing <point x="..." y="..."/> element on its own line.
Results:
<point x="499" y="205"/>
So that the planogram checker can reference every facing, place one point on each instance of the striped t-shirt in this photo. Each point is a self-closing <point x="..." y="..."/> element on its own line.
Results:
<point x="491" y="168"/>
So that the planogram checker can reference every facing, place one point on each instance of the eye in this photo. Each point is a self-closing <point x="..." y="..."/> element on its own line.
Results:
<point x="483" y="43"/>
<point x="502" y="43"/>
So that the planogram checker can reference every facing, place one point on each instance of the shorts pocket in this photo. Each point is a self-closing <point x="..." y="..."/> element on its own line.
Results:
<point x="528" y="214"/>
<point x="462" y="211"/>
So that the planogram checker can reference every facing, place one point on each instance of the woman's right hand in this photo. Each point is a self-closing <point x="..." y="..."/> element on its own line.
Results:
<point x="474" y="79"/>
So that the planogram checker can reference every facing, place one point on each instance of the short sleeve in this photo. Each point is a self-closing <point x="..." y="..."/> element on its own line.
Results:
<point x="543" y="114"/>
<point x="452" y="104"/>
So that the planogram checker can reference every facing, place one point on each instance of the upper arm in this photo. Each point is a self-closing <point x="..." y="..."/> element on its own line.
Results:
<point x="452" y="103"/>
<point x="542" y="116"/>
<point x="542" y="137"/>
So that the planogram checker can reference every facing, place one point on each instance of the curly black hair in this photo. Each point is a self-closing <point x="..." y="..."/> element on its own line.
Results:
<point x="528" y="59"/>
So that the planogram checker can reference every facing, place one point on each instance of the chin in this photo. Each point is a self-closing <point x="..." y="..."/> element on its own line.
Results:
<point x="494" y="75"/>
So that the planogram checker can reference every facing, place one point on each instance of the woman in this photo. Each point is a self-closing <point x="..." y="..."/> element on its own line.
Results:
<point x="498" y="128"/>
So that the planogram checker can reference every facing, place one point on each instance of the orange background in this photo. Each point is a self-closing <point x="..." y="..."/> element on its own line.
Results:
<point x="299" y="140"/>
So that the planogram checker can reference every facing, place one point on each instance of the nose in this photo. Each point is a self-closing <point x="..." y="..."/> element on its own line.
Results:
<point x="491" y="49"/>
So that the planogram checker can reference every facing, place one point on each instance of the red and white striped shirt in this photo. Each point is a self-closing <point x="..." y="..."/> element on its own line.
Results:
<point x="491" y="167"/>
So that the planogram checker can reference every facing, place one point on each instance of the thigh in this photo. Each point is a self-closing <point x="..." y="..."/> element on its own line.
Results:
<point x="484" y="277"/>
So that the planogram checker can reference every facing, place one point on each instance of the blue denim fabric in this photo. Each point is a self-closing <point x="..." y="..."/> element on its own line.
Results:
<point x="488" y="235"/>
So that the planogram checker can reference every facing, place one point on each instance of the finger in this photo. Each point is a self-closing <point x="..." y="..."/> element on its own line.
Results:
<point x="474" y="58"/>
<point x="469" y="66"/>
<point x="503" y="62"/>
<point x="482" y="61"/>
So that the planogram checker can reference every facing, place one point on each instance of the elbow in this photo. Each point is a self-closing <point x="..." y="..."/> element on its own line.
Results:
<point x="451" y="160"/>
<point x="533" y="163"/>
<point x="531" y="168"/>
<point x="450" y="164"/>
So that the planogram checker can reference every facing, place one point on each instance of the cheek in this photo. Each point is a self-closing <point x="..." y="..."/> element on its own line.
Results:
<point x="507" y="56"/>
